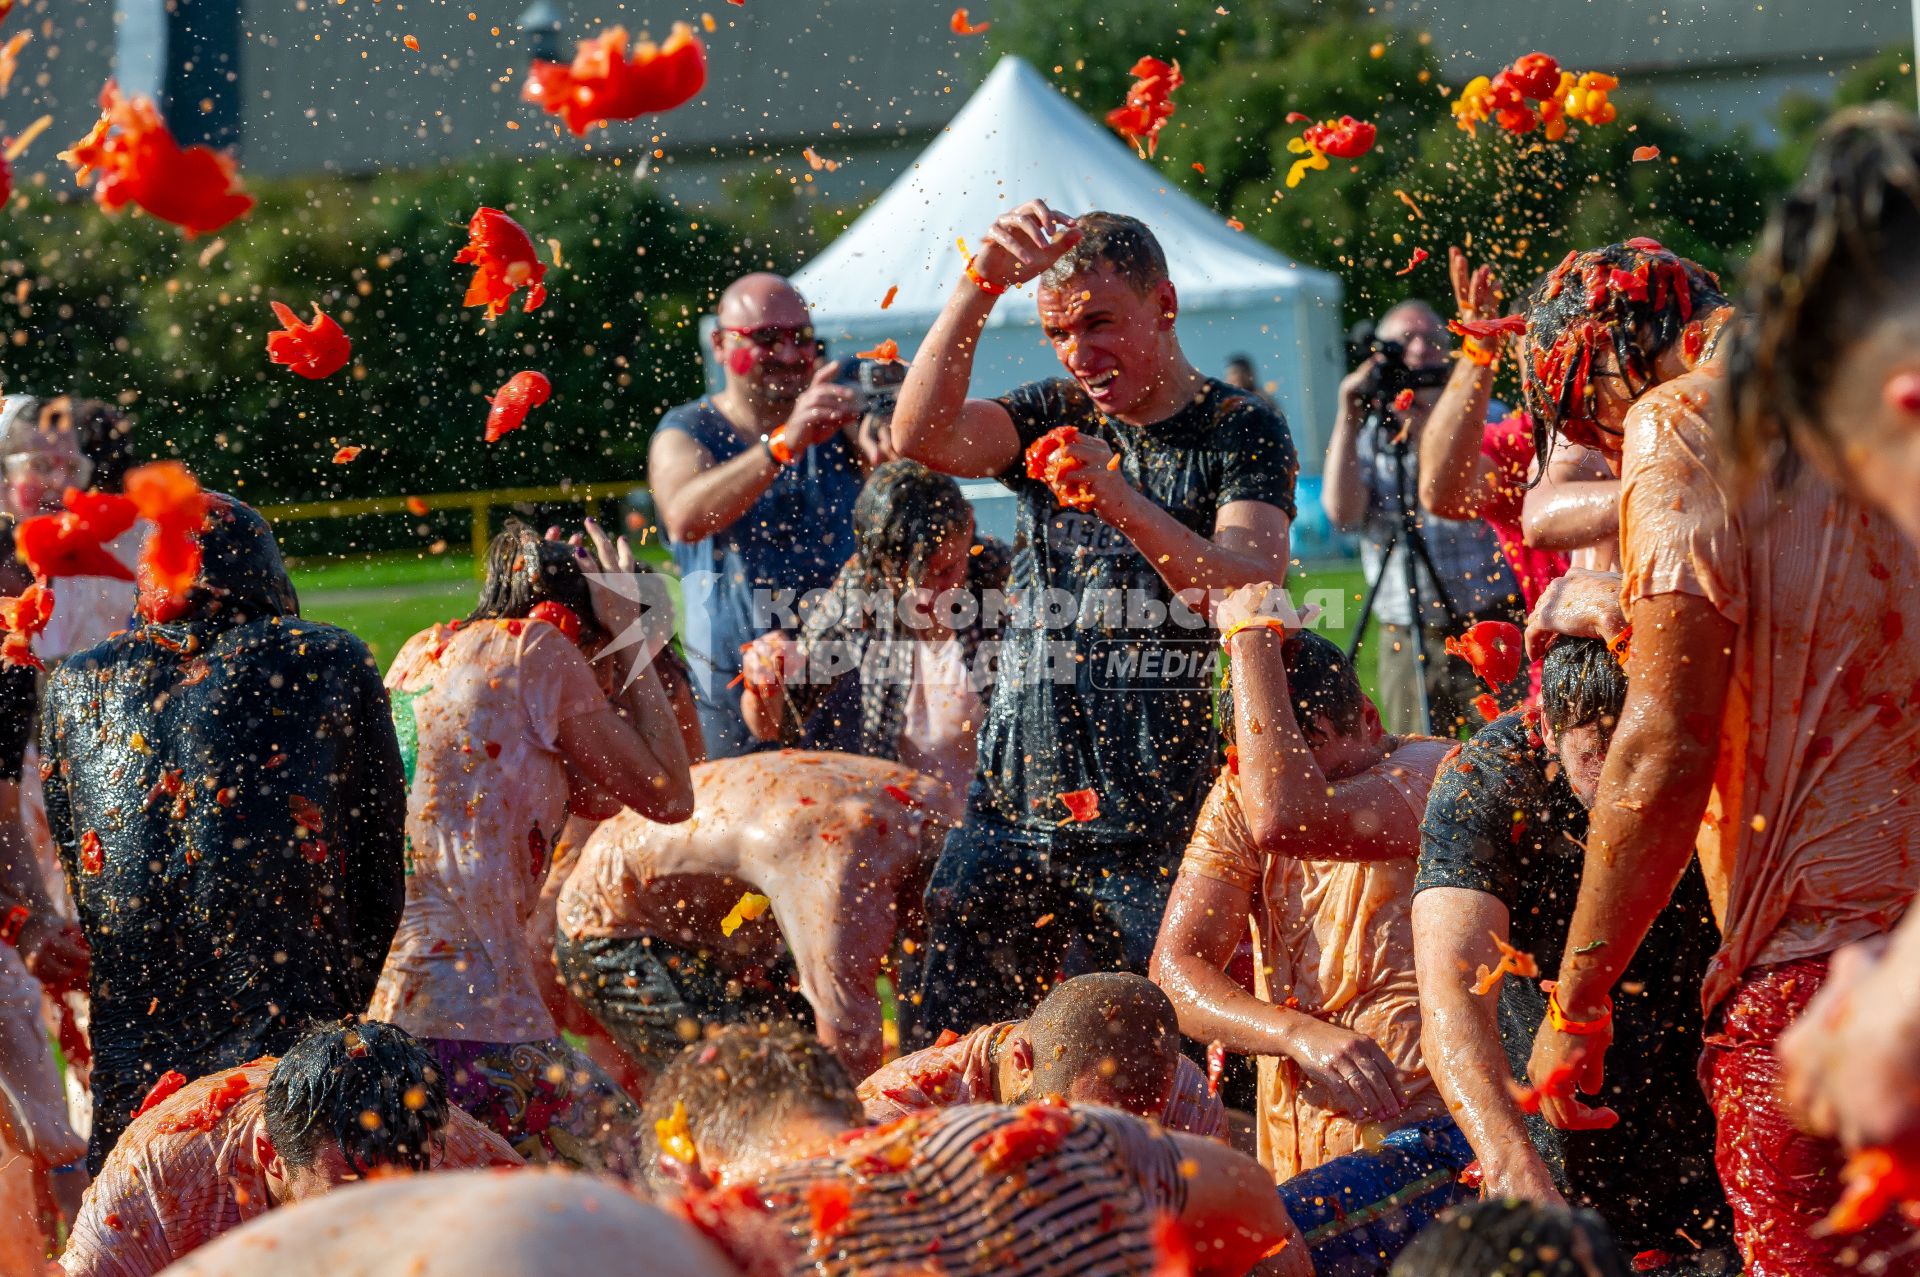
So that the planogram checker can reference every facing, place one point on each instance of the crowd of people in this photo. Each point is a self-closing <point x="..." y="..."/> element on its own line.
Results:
<point x="915" y="910"/>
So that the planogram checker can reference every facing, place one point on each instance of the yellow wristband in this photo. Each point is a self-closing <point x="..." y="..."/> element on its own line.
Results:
<point x="1254" y="623"/>
<point x="1558" y="1018"/>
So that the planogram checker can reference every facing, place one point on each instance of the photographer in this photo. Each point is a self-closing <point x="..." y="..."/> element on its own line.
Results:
<point x="1371" y="484"/>
<point x="755" y="486"/>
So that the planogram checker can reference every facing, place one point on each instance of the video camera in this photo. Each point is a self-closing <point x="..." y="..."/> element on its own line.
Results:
<point x="875" y="382"/>
<point x="1392" y="373"/>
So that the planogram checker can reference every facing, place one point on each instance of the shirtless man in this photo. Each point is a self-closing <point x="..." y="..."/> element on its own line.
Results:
<point x="1776" y="641"/>
<point x="658" y="935"/>
<point x="768" y="1112"/>
<point x="530" y="1223"/>
<point x="202" y="1158"/>
<point x="1108" y="1037"/>
<point x="1313" y="833"/>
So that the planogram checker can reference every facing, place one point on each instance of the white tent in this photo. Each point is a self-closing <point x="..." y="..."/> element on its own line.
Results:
<point x="1017" y="139"/>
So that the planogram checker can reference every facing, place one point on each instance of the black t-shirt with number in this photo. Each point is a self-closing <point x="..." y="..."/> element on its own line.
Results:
<point x="1101" y="687"/>
<point x="1502" y="819"/>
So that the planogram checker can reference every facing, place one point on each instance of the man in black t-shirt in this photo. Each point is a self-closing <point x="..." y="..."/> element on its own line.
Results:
<point x="1501" y="856"/>
<point x="1180" y="485"/>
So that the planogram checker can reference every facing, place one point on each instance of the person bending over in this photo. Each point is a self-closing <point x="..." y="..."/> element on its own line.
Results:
<point x="660" y="932"/>
<point x="1109" y="1037"/>
<point x="225" y="788"/>
<point x="766" y="1109"/>
<point x="1827" y="376"/>
<point x="203" y="1158"/>
<point x="1758" y="729"/>
<point x="1500" y="864"/>
<point x="1311" y="833"/>
<point x="504" y="730"/>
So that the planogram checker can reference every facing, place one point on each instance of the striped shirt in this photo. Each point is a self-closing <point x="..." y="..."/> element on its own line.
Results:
<point x="961" y="1072"/>
<point x="983" y="1191"/>
<point x="189" y="1169"/>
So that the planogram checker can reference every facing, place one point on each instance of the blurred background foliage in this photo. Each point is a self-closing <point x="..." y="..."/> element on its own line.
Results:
<point x="125" y="309"/>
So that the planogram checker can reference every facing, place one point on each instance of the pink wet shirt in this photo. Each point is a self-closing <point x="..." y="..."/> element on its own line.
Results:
<point x="1335" y="941"/>
<point x="478" y="710"/>
<point x="962" y="1072"/>
<point x="176" y="1180"/>
<point x="1811" y="837"/>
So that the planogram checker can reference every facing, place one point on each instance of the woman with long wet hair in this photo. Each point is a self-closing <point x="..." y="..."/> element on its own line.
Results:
<point x="504" y="730"/>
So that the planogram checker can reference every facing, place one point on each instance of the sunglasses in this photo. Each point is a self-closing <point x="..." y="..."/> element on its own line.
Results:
<point x="770" y="336"/>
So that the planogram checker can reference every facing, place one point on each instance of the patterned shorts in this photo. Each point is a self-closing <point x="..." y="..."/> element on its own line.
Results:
<point x="552" y="1104"/>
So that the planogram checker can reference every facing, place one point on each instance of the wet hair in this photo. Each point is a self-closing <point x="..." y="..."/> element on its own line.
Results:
<point x="104" y="433"/>
<point x="1114" y="240"/>
<point x="1241" y="361"/>
<point x="1322" y="681"/>
<point x="1840" y="252"/>
<point x="740" y="1083"/>
<point x="1512" y="1238"/>
<point x="902" y="515"/>
<point x="1113" y="1028"/>
<point x="523" y="569"/>
<point x="1633" y="298"/>
<point x="1581" y="682"/>
<point x="371" y="1087"/>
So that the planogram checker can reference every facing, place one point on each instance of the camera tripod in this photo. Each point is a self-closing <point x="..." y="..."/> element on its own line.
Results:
<point x="1405" y="538"/>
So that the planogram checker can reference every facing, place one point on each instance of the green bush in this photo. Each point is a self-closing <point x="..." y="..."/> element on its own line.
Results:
<point x="125" y="308"/>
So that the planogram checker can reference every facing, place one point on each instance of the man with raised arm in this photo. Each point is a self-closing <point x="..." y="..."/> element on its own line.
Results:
<point x="1170" y="481"/>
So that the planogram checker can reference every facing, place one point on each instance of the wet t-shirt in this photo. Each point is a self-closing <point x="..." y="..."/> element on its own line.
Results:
<point x="189" y="1170"/>
<point x="1098" y="686"/>
<point x="1336" y="941"/>
<point x="478" y="711"/>
<point x="1811" y="837"/>
<point x="1502" y="819"/>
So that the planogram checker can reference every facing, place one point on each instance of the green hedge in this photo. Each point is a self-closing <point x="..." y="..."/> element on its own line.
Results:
<point x="125" y="308"/>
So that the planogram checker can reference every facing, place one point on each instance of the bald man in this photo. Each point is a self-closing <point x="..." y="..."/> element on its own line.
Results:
<point x="755" y="486"/>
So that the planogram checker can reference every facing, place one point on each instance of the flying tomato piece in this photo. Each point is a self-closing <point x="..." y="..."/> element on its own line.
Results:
<point x="503" y="260"/>
<point x="1644" y="153"/>
<point x="745" y="910"/>
<point x="72" y="541"/>
<point x="523" y="392"/>
<point x="131" y="158"/>
<point x="1536" y="75"/>
<point x="887" y="351"/>
<point x="167" y="495"/>
<point x="346" y="453"/>
<point x="1216" y="1065"/>
<point x="1149" y="103"/>
<point x="314" y="350"/>
<point x="1413" y="263"/>
<point x="603" y="83"/>
<point x="1493" y="648"/>
<point x="23" y="617"/>
<point x="960" y="25"/>
<point x="1343" y="139"/>
<point x="1403" y="400"/>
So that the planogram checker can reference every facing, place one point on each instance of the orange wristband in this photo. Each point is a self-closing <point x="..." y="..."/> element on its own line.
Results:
<point x="1254" y="623"/>
<point x="1558" y="1018"/>
<point x="777" y="446"/>
<point x="982" y="283"/>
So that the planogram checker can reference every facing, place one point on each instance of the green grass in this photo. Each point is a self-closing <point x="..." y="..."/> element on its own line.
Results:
<point x="386" y="599"/>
